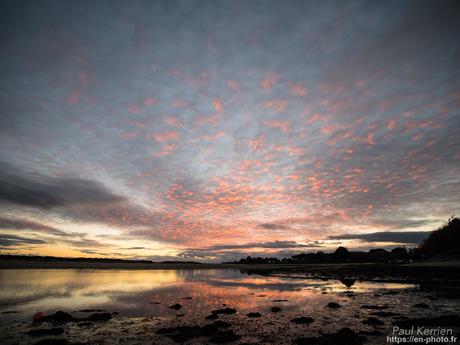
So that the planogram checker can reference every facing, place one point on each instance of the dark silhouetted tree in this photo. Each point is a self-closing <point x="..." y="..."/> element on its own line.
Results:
<point x="444" y="241"/>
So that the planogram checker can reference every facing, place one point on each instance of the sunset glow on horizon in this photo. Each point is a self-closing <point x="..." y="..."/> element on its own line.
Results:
<point x="213" y="130"/>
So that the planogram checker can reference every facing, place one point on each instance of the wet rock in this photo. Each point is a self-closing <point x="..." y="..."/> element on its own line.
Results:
<point x="45" y="331"/>
<point x="421" y="305"/>
<point x="219" y="324"/>
<point x="179" y="315"/>
<point x="254" y="314"/>
<point x="262" y="296"/>
<point x="187" y="298"/>
<point x="373" y="333"/>
<point x="85" y="324"/>
<point x="226" y="311"/>
<point x="176" y="306"/>
<point x="275" y="309"/>
<point x="333" y="305"/>
<point x="384" y="313"/>
<point x="280" y="300"/>
<point x="372" y="321"/>
<point x="98" y="317"/>
<point x="53" y="341"/>
<point x="212" y="317"/>
<point x="213" y="331"/>
<point x="391" y="293"/>
<point x="10" y="312"/>
<point x="374" y="307"/>
<point x="155" y="302"/>
<point x="347" y="282"/>
<point x="303" y="320"/>
<point x="344" y="336"/>
<point x="59" y="317"/>
<point x="92" y="311"/>
<point x="224" y="337"/>
<point x="441" y="321"/>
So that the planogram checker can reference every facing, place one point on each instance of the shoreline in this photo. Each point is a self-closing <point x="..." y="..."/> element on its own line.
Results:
<point x="439" y="274"/>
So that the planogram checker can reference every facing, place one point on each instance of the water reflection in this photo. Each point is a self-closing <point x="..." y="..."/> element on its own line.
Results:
<point x="150" y="292"/>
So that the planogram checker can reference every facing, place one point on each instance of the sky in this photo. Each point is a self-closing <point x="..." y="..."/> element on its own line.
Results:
<point x="213" y="130"/>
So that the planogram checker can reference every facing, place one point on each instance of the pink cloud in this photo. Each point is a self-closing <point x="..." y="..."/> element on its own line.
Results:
<point x="278" y="105"/>
<point x="391" y="124"/>
<point x="172" y="121"/>
<point x="165" y="151"/>
<point x="270" y="80"/>
<point x="179" y="103"/>
<point x="166" y="136"/>
<point x="370" y="139"/>
<point x="278" y="124"/>
<point x="258" y="143"/>
<point x="134" y="109"/>
<point x="73" y="98"/>
<point x="233" y="85"/>
<point x="217" y="105"/>
<point x="298" y="90"/>
<point x="149" y="101"/>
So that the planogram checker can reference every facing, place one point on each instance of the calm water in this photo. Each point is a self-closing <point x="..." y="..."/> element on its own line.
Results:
<point x="134" y="292"/>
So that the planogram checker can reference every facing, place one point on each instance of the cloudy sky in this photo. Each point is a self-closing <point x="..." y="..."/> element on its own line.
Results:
<point x="209" y="130"/>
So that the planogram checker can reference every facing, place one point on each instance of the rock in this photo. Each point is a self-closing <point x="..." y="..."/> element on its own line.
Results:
<point x="212" y="317"/>
<point x="176" y="306"/>
<point x="224" y="337"/>
<point x="373" y="333"/>
<point x="84" y="324"/>
<point x="187" y="298"/>
<point x="384" y="313"/>
<point x="275" y="309"/>
<point x="347" y="282"/>
<point x="179" y="315"/>
<point x="333" y="305"/>
<point x="280" y="300"/>
<point x="303" y="320"/>
<point x="344" y="336"/>
<point x="219" y="324"/>
<point x="182" y="334"/>
<point x="372" y="321"/>
<point x="45" y="331"/>
<point x="441" y="321"/>
<point x="254" y="314"/>
<point x="421" y="305"/>
<point x="10" y="312"/>
<point x="59" y="317"/>
<point x="226" y="311"/>
<point x="374" y="307"/>
<point x="92" y="311"/>
<point x="53" y="341"/>
<point x="98" y="317"/>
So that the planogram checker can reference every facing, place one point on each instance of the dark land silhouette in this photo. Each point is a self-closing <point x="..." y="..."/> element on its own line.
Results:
<point x="440" y="244"/>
